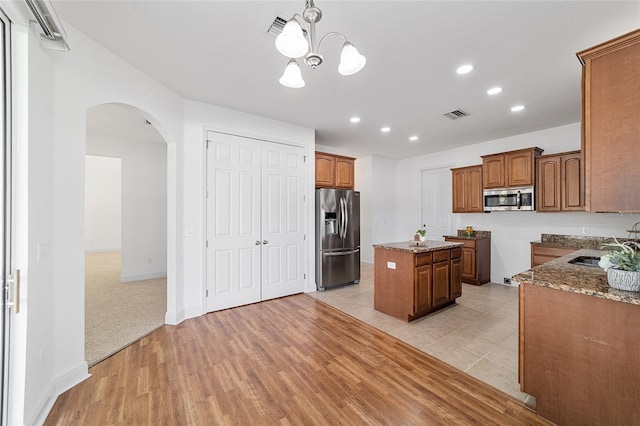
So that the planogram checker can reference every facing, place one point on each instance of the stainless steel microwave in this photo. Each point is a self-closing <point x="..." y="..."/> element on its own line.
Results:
<point x="518" y="199"/>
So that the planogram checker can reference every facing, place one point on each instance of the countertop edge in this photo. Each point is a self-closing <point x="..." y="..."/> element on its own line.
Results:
<point x="593" y="282"/>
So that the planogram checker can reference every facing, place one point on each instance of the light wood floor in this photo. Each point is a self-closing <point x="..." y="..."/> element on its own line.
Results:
<point x="289" y="361"/>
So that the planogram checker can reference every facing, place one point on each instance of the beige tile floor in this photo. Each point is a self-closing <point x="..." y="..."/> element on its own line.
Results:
<point x="478" y="335"/>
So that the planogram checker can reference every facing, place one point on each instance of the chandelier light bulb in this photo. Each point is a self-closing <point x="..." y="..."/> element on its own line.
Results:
<point x="351" y="61"/>
<point x="291" y="42"/>
<point x="292" y="76"/>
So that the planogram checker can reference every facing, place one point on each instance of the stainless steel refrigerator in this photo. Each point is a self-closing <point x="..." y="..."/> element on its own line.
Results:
<point x="337" y="237"/>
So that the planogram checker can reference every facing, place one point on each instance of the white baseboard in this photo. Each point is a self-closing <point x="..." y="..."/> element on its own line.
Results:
<point x="103" y="250"/>
<point x="174" y="318"/>
<point x="54" y="390"/>
<point x="194" y="311"/>
<point x="141" y="277"/>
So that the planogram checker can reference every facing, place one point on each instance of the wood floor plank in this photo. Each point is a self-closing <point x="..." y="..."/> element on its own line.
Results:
<point x="287" y="361"/>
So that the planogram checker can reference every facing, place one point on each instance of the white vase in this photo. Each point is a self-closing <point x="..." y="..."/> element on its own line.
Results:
<point x="624" y="280"/>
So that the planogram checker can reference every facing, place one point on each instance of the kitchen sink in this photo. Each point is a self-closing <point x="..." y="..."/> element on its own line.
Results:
<point x="585" y="261"/>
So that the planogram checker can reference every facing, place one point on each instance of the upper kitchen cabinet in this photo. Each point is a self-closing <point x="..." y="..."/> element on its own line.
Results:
<point x="467" y="189"/>
<point x="611" y="124"/>
<point x="559" y="184"/>
<point x="510" y="169"/>
<point x="334" y="171"/>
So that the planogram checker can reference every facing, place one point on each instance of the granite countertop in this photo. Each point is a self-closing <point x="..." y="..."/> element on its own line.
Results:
<point x="477" y="235"/>
<point x="418" y="246"/>
<point x="588" y="280"/>
<point x="572" y="241"/>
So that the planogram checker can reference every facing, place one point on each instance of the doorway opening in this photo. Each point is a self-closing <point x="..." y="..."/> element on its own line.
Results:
<point x="125" y="229"/>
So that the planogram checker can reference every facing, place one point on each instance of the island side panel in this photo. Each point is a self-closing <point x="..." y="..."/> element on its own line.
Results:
<point x="393" y="288"/>
<point x="581" y="357"/>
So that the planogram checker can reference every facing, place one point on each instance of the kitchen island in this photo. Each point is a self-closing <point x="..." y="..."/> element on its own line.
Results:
<point x="412" y="279"/>
<point x="579" y="343"/>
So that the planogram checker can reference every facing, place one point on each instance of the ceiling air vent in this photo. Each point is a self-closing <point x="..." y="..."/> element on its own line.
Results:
<point x="454" y="115"/>
<point x="276" y="26"/>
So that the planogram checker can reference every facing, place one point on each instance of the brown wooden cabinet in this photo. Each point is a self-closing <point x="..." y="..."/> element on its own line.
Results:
<point x="510" y="169"/>
<point x="542" y="254"/>
<point x="475" y="262"/>
<point x="409" y="285"/>
<point x="467" y="189"/>
<point x="578" y="356"/>
<point x="559" y="185"/>
<point x="611" y="124"/>
<point x="334" y="171"/>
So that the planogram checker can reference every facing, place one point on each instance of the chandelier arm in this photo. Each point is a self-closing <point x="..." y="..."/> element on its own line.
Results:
<point x="330" y="34"/>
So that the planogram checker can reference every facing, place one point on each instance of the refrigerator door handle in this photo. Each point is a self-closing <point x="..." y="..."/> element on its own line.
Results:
<point x="342" y="217"/>
<point x="341" y="253"/>
<point x="346" y="219"/>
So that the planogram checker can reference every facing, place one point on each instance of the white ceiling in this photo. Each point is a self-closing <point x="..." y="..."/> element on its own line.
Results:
<point x="218" y="52"/>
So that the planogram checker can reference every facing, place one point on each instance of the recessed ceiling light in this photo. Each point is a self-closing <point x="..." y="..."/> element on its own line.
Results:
<point x="464" y="69"/>
<point x="413" y="138"/>
<point x="354" y="119"/>
<point x="494" y="90"/>
<point x="517" y="108"/>
<point x="385" y="129"/>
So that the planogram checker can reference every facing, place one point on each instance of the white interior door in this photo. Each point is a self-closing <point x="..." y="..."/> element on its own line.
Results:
<point x="282" y="220"/>
<point x="436" y="212"/>
<point x="233" y="221"/>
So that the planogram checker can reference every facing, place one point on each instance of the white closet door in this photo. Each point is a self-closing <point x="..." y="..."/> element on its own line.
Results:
<point x="233" y="221"/>
<point x="282" y="220"/>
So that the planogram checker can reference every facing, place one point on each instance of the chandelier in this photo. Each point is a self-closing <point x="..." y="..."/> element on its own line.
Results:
<point x="293" y="43"/>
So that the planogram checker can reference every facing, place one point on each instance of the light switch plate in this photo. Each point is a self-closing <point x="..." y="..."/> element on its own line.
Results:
<point x="391" y="265"/>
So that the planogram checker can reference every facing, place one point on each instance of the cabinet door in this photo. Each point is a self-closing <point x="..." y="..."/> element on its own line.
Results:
<point x="441" y="283"/>
<point x="493" y="171"/>
<point x="572" y="189"/>
<point x="519" y="168"/>
<point x="611" y="101"/>
<point x="325" y="171"/>
<point x="548" y="188"/>
<point x="344" y="173"/>
<point x="468" y="263"/>
<point x="459" y="190"/>
<point x="474" y="190"/>
<point x="456" y="278"/>
<point x="422" y="296"/>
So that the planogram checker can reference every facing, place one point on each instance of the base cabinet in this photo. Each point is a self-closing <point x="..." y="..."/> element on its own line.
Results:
<point x="409" y="285"/>
<point x="542" y="254"/>
<point x="475" y="262"/>
<point x="579" y="357"/>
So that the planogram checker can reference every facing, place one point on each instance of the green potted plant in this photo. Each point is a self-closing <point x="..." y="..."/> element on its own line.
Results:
<point x="622" y="265"/>
<point x="420" y="235"/>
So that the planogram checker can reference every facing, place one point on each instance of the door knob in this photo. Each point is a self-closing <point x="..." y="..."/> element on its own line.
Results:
<point x="265" y="242"/>
<point x="257" y="243"/>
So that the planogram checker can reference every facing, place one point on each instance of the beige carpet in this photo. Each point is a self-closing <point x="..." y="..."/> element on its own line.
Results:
<point x="117" y="314"/>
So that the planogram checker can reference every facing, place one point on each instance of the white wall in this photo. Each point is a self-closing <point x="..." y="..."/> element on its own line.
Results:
<point x="198" y="118"/>
<point x="144" y="204"/>
<point x="61" y="87"/>
<point x="376" y="181"/>
<point x="102" y="203"/>
<point x="511" y="232"/>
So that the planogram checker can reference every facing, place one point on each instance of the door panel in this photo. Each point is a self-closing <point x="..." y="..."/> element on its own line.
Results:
<point x="437" y="215"/>
<point x="233" y="221"/>
<point x="282" y="220"/>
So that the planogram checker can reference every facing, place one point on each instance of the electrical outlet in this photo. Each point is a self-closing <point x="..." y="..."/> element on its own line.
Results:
<point x="507" y="280"/>
<point x="585" y="230"/>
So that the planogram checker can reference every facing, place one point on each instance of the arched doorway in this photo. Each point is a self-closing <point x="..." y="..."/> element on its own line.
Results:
<point x="125" y="229"/>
